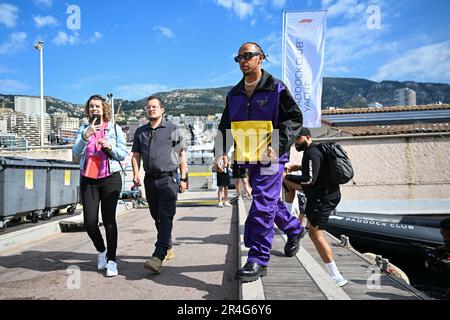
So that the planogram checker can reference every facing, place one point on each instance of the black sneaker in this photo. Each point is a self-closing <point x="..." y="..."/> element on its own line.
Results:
<point x="293" y="244"/>
<point x="250" y="272"/>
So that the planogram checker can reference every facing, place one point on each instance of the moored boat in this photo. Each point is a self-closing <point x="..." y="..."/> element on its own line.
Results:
<point x="388" y="232"/>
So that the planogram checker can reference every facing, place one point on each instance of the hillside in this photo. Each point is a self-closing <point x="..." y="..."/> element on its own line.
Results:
<point x="53" y="105"/>
<point x="347" y="92"/>
<point x="337" y="92"/>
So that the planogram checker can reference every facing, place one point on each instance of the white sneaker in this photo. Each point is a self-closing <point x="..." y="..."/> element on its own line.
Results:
<point x="101" y="261"/>
<point x="340" y="282"/>
<point x="111" y="269"/>
<point x="220" y="205"/>
<point x="227" y="204"/>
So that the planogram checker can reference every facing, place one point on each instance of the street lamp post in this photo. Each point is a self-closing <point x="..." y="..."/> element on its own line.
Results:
<point x="39" y="45"/>
<point x="111" y="100"/>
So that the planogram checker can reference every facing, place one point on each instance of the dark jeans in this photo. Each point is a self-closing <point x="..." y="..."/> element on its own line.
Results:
<point x="162" y="196"/>
<point x="106" y="191"/>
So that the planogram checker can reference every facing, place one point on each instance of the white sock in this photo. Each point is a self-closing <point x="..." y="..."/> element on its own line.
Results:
<point x="333" y="270"/>
<point x="289" y="206"/>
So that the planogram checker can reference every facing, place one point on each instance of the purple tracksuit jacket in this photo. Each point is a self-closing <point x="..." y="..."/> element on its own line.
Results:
<point x="269" y="118"/>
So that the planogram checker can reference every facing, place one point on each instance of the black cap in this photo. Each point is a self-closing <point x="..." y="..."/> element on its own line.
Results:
<point x="304" y="132"/>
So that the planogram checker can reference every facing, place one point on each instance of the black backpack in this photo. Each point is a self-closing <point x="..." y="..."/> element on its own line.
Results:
<point x="337" y="164"/>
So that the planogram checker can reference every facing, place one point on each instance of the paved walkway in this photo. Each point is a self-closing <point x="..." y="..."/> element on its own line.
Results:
<point x="64" y="266"/>
<point x="207" y="253"/>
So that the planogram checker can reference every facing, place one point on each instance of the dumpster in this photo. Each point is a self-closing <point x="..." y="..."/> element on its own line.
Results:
<point x="63" y="183"/>
<point x="22" y="188"/>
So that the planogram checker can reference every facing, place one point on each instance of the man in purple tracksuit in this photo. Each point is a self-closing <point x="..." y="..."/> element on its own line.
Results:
<point x="262" y="120"/>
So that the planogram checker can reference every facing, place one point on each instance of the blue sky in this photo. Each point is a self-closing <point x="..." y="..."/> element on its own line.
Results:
<point x="134" y="48"/>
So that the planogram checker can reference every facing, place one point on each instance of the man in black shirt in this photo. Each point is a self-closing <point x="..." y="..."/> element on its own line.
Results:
<point x="160" y="146"/>
<point x="322" y="195"/>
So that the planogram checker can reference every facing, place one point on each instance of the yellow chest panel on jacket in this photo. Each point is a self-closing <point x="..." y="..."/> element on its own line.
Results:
<point x="251" y="140"/>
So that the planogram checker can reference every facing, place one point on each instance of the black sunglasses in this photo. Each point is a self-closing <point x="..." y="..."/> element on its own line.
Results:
<point x="246" y="56"/>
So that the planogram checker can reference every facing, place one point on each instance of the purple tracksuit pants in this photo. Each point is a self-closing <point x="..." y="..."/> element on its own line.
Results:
<point x="267" y="209"/>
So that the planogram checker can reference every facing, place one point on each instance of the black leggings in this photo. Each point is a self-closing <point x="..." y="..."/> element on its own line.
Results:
<point x="106" y="191"/>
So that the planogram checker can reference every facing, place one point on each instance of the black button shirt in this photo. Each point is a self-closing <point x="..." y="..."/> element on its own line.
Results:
<point x="159" y="148"/>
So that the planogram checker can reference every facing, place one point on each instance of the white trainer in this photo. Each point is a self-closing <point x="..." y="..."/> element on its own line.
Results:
<point x="101" y="261"/>
<point x="227" y="204"/>
<point x="340" y="282"/>
<point x="220" y="205"/>
<point x="111" y="269"/>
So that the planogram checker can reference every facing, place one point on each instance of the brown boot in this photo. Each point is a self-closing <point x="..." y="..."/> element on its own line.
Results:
<point x="154" y="264"/>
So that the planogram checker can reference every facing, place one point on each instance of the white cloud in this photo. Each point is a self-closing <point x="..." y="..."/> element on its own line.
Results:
<point x="41" y="21"/>
<point x="8" y="86"/>
<point x="240" y="7"/>
<point x="346" y="8"/>
<point x="47" y="3"/>
<point x="348" y="43"/>
<point x="5" y="70"/>
<point x="426" y="63"/>
<point x="166" y="32"/>
<point x="138" y="91"/>
<point x="16" y="41"/>
<point x="278" y="3"/>
<point x="271" y="44"/>
<point x="8" y="14"/>
<point x="63" y="38"/>
<point x="225" y="3"/>
<point x="96" y="37"/>
<point x="251" y="8"/>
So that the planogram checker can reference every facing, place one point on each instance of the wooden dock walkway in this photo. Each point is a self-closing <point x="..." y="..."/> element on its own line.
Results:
<point x="304" y="277"/>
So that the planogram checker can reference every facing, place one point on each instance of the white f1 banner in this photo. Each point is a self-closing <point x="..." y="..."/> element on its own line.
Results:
<point x="303" y="55"/>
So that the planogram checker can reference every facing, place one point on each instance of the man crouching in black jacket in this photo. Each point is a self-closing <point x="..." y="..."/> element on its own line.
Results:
<point x="322" y="195"/>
